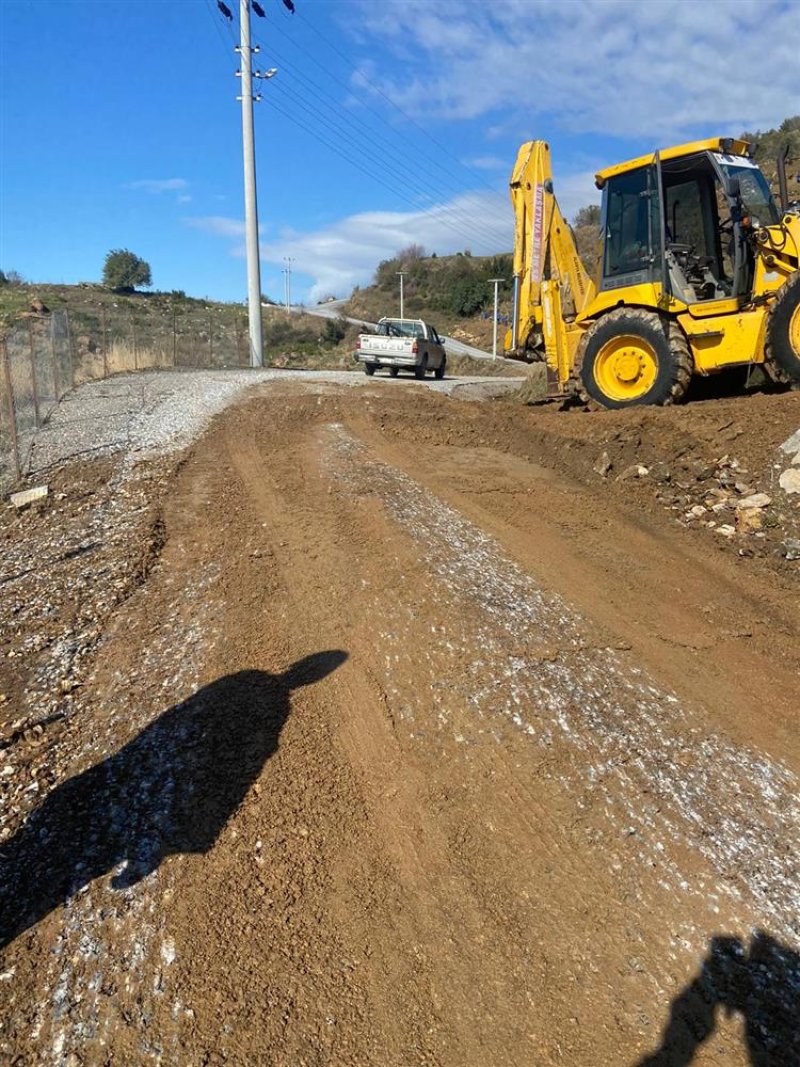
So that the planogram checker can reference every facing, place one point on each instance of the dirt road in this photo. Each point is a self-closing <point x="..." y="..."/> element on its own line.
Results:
<point x="419" y="742"/>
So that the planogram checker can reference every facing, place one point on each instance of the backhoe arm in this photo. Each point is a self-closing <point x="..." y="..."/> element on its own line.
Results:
<point x="551" y="286"/>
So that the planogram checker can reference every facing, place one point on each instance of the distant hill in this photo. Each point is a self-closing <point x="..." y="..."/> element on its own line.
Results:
<point x="452" y="292"/>
<point x="767" y="146"/>
<point x="183" y="329"/>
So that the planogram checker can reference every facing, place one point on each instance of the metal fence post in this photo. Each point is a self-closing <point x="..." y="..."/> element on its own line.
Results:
<point x="133" y="341"/>
<point x="105" y="339"/>
<point x="56" y="375"/>
<point x="36" y="419"/>
<point x="12" y="415"/>
<point x="174" y="336"/>
<point x="72" y="360"/>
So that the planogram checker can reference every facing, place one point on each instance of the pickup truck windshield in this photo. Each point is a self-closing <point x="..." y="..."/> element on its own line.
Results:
<point x="400" y="328"/>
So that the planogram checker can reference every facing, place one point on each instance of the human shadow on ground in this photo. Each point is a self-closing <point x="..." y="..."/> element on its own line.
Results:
<point x="170" y="790"/>
<point x="761" y="982"/>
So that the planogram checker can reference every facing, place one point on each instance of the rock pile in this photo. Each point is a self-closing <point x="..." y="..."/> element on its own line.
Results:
<point x="725" y="497"/>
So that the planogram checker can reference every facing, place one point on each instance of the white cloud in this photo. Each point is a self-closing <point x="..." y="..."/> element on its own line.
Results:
<point x="159" y="185"/>
<point x="346" y="253"/>
<point x="184" y="198"/>
<point x="343" y="254"/>
<point x="217" y="225"/>
<point x="655" y="70"/>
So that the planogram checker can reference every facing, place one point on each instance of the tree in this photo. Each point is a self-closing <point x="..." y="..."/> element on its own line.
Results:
<point x="410" y="254"/>
<point x="587" y="216"/>
<point x="123" y="270"/>
<point x="468" y="295"/>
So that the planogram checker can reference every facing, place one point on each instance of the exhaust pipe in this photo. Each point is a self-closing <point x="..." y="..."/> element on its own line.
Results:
<point x="784" y="189"/>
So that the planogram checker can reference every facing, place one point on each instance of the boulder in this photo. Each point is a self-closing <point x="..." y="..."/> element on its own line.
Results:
<point x="789" y="481"/>
<point x="603" y="465"/>
<point x="757" y="500"/>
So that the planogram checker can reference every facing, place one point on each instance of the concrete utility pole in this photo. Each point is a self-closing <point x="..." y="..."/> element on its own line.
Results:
<point x="495" y="282"/>
<point x="287" y="272"/>
<point x="401" y="274"/>
<point x="250" y="207"/>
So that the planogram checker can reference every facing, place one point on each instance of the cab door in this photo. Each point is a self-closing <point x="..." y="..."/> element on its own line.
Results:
<point x="631" y="219"/>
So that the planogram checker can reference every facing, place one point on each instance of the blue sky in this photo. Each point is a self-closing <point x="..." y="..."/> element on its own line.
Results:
<point x="387" y="123"/>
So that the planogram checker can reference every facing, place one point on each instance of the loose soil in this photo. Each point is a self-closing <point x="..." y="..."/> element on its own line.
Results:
<point x="407" y="737"/>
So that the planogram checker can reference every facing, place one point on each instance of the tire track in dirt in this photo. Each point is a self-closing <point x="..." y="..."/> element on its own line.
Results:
<point x="607" y="709"/>
<point x="566" y="817"/>
<point x="432" y="898"/>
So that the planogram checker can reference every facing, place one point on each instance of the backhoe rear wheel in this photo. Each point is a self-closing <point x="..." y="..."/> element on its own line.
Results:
<point x="783" y="333"/>
<point x="631" y="356"/>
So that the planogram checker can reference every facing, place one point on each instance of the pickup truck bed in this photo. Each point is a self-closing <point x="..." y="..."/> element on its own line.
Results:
<point x="402" y="343"/>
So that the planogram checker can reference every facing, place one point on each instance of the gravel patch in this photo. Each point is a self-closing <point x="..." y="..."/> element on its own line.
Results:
<point x="160" y="412"/>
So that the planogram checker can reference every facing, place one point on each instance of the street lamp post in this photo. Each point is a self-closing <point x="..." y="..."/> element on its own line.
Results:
<point x="401" y="274"/>
<point x="496" y="282"/>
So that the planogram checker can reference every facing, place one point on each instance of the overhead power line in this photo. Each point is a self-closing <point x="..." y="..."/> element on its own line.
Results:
<point x="352" y="65"/>
<point x="398" y="175"/>
<point x="351" y="134"/>
<point x="413" y="174"/>
<point x="371" y="174"/>
<point x="417" y="176"/>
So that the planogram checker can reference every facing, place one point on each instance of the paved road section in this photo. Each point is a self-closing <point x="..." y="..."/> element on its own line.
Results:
<point x="332" y="310"/>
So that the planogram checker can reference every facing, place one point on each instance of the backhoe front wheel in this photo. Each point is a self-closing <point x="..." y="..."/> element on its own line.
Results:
<point x="631" y="356"/>
<point x="783" y="333"/>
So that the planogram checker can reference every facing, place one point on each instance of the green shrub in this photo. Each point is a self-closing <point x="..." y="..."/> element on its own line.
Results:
<point x="124" y="270"/>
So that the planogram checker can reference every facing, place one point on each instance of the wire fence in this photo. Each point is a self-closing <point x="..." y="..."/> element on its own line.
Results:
<point x="43" y="356"/>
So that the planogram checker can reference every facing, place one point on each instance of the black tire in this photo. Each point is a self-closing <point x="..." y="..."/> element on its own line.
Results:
<point x="783" y="333"/>
<point x="370" y="368"/>
<point x="669" y="357"/>
<point x="439" y="372"/>
<point x="421" y="368"/>
<point x="394" y="371"/>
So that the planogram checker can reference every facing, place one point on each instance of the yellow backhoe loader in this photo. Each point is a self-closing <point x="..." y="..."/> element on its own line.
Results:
<point x="699" y="270"/>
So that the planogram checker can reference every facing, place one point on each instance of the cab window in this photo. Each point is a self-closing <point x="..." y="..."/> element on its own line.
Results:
<point x="632" y="224"/>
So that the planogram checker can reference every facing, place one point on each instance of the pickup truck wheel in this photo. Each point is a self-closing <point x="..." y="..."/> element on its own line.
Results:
<point x="421" y="368"/>
<point x="370" y="368"/>
<point x="631" y="356"/>
<point x="394" y="371"/>
<point x="439" y="372"/>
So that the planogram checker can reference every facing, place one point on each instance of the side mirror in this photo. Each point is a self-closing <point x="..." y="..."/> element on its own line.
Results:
<point x="734" y="188"/>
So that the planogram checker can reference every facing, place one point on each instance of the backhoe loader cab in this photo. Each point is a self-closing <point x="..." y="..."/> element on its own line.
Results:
<point x="698" y="271"/>
<point x="673" y="222"/>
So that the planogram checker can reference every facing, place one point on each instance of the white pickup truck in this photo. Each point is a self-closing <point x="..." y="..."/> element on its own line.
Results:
<point x="402" y="343"/>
